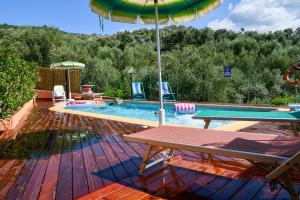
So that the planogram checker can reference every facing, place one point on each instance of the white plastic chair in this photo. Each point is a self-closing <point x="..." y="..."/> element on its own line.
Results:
<point x="58" y="93"/>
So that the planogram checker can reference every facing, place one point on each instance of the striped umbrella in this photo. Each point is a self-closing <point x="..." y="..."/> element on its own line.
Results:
<point x="153" y="12"/>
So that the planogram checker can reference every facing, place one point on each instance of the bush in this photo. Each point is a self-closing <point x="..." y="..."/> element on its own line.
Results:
<point x="17" y="80"/>
<point x="284" y="100"/>
<point x="116" y="93"/>
<point x="260" y="101"/>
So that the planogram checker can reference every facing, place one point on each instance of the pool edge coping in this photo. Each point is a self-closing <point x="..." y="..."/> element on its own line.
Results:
<point x="59" y="107"/>
<point x="214" y="104"/>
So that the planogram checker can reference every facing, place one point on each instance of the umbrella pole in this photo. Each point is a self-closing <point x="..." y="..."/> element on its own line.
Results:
<point x="68" y="84"/>
<point x="162" y="120"/>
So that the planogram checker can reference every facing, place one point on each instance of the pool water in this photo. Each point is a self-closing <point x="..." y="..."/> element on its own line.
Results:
<point x="146" y="111"/>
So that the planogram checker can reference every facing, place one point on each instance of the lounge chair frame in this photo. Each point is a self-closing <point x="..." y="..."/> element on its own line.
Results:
<point x="294" y="106"/>
<point x="89" y="94"/>
<point x="207" y="120"/>
<point x="63" y="96"/>
<point x="139" y="97"/>
<point x="168" y="97"/>
<point x="280" y="163"/>
<point x="281" y="173"/>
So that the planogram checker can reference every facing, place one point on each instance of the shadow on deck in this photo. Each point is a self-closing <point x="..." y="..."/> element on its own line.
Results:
<point x="64" y="156"/>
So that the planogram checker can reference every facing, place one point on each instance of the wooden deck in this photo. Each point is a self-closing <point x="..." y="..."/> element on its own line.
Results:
<point x="64" y="156"/>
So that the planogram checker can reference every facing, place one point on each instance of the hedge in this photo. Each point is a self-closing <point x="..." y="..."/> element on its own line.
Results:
<point x="17" y="80"/>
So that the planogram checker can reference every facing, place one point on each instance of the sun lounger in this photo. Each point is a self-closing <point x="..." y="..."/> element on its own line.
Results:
<point x="87" y="93"/>
<point x="207" y="116"/>
<point x="58" y="93"/>
<point x="138" y="92"/>
<point x="273" y="150"/>
<point x="168" y="94"/>
<point x="294" y="106"/>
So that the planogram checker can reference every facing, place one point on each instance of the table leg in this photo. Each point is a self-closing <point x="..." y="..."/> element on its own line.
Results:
<point x="207" y="122"/>
<point x="145" y="159"/>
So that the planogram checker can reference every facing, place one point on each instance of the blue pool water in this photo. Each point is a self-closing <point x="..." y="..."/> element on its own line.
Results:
<point x="146" y="111"/>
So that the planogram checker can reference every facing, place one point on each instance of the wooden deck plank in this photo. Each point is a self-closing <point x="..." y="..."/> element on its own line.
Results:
<point x="35" y="117"/>
<point x="119" y="129"/>
<point x="91" y="169"/>
<point x="35" y="182"/>
<point x="168" y="176"/>
<point x="111" y="156"/>
<point x="150" y="197"/>
<point x="48" y="190"/>
<point x="135" y="154"/>
<point x="102" y="192"/>
<point x="119" y="132"/>
<point x="39" y="138"/>
<point x="94" y="150"/>
<point x="133" y="128"/>
<point x="216" y="184"/>
<point x="128" y="164"/>
<point x="283" y="194"/>
<point x="80" y="185"/>
<point x="249" y="190"/>
<point x="65" y="179"/>
<point x="118" y="169"/>
<point x="230" y="189"/>
<point x="116" y="191"/>
<point x="7" y="146"/>
<point x="265" y="193"/>
<point x="10" y="165"/>
<point x="118" y="194"/>
<point x="151" y="175"/>
<point x="136" y="194"/>
<point x="9" y="176"/>
<point x="200" y="182"/>
<point x="105" y="170"/>
<point x="162" y="180"/>
<point x="194" y="176"/>
<point x="135" y="158"/>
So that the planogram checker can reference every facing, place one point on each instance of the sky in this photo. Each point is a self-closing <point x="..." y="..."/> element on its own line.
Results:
<point x="76" y="16"/>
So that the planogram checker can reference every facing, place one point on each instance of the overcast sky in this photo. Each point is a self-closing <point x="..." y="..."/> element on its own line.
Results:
<point x="76" y="16"/>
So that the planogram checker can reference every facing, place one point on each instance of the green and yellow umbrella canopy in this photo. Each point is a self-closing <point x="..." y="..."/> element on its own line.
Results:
<point x="142" y="11"/>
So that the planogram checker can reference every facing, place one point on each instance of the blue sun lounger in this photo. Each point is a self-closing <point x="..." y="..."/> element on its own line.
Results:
<point x="138" y="92"/>
<point x="168" y="94"/>
<point x="207" y="116"/>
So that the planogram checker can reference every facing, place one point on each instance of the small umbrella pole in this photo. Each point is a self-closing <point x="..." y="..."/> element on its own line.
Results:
<point x="68" y="88"/>
<point x="161" y="108"/>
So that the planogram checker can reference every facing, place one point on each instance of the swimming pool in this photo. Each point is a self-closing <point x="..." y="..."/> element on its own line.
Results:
<point x="146" y="111"/>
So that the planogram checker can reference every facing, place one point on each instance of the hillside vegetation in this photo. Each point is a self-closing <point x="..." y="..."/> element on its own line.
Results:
<point x="193" y="60"/>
